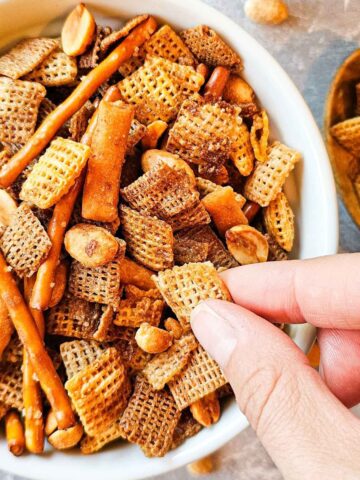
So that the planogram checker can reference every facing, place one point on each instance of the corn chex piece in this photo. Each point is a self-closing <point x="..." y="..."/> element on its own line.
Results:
<point x="276" y="253"/>
<point x="279" y="221"/>
<point x="186" y="428"/>
<point x="90" y="59"/>
<point x="19" y="106"/>
<point x="150" y="418"/>
<point x="164" y="366"/>
<point x="183" y="288"/>
<point x="149" y="240"/>
<point x="134" y="292"/>
<point x="203" y="132"/>
<point x="100" y="392"/>
<point x="132" y="312"/>
<point x="90" y="445"/>
<point x="187" y="250"/>
<point x="201" y="376"/>
<point x="158" y="88"/>
<point x="164" y="43"/>
<point x="132" y="355"/>
<point x="26" y="56"/>
<point x="11" y="393"/>
<point x="195" y="215"/>
<point x="74" y="317"/>
<point x="268" y="178"/>
<point x="79" y="354"/>
<point x="25" y="242"/>
<point x="242" y="153"/>
<point x="56" y="70"/>
<point x="347" y="133"/>
<point x="210" y="49"/>
<point x="55" y="173"/>
<point x="136" y="133"/>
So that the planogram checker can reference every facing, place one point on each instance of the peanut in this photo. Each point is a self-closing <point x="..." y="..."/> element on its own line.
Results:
<point x="174" y="327"/>
<point x="206" y="411"/>
<point x="238" y="91"/>
<point x="153" y="134"/>
<point x="152" y="339"/>
<point x="247" y="245"/>
<point x="78" y="31"/>
<point x="204" y="466"/>
<point x="64" y="439"/>
<point x="269" y="12"/>
<point x="151" y="157"/>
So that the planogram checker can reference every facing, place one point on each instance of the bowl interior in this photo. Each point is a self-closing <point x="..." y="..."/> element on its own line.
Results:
<point x="311" y="192"/>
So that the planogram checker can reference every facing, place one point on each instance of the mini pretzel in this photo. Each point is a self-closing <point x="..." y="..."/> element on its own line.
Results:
<point x="216" y="83"/>
<point x="14" y="433"/>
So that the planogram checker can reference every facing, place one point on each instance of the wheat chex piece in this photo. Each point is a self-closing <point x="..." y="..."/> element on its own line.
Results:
<point x="186" y="428"/>
<point x="100" y="391"/>
<point x="149" y="240"/>
<point x="55" y="172"/>
<point x="56" y="70"/>
<point x="90" y="59"/>
<point x="187" y="250"/>
<point x="201" y="376"/>
<point x="279" y="221"/>
<point x="163" y="367"/>
<point x="242" y="153"/>
<point x="132" y="355"/>
<point x="13" y="353"/>
<point x="195" y="215"/>
<point x="46" y="107"/>
<point x="158" y="88"/>
<point x="134" y="292"/>
<point x="136" y="133"/>
<point x="26" y="56"/>
<point x="276" y="253"/>
<point x="79" y="354"/>
<point x="183" y="288"/>
<point x="210" y="49"/>
<point x="25" y="242"/>
<point x="11" y="385"/>
<point x="268" y="178"/>
<point x="116" y="36"/>
<point x="19" y="105"/>
<point x="79" y="121"/>
<point x="164" y="43"/>
<point x="347" y="133"/>
<point x="203" y="132"/>
<point x="150" y="418"/>
<point x="133" y="312"/>
<point x="90" y="445"/>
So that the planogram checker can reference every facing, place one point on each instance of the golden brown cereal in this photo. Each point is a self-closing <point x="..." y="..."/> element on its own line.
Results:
<point x="152" y="157"/>
<point x="90" y="58"/>
<point x="57" y="69"/>
<point x="271" y="12"/>
<point x="347" y="133"/>
<point x="152" y="339"/>
<point x="187" y="251"/>
<point x="195" y="215"/>
<point x="206" y="410"/>
<point x="79" y="354"/>
<point x="79" y="121"/>
<point x="14" y="351"/>
<point x="259" y="136"/>
<point x="276" y="253"/>
<point x="186" y="428"/>
<point x="242" y="153"/>
<point x="137" y="132"/>
<point x="279" y="221"/>
<point x="246" y="244"/>
<point x="94" y="444"/>
<point x="133" y="292"/>
<point x="132" y="312"/>
<point x="11" y="385"/>
<point x="114" y="37"/>
<point x="133" y="357"/>
<point x="174" y="327"/>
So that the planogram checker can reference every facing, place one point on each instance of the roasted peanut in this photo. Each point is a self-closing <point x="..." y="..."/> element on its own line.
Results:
<point x="60" y="281"/>
<point x="204" y="466"/>
<point x="64" y="439"/>
<point x="238" y="91"/>
<point x="246" y="244"/>
<point x="153" y="134"/>
<point x="174" y="327"/>
<point x="78" y="31"/>
<point x="90" y="245"/>
<point x="269" y="12"/>
<point x="7" y="207"/>
<point x="51" y="423"/>
<point x="206" y="411"/>
<point x="152" y="339"/>
<point x="151" y="157"/>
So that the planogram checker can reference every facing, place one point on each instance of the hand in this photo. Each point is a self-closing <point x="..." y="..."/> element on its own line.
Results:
<point x="298" y="414"/>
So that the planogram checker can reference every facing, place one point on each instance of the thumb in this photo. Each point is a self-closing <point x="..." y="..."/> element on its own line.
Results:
<point x="284" y="399"/>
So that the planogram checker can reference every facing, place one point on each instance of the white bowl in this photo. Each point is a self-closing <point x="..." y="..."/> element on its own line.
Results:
<point x="311" y="190"/>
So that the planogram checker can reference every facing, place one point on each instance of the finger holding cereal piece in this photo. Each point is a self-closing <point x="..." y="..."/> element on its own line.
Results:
<point x="246" y="244"/>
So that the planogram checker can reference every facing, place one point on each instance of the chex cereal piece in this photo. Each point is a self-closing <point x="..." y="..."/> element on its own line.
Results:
<point x="149" y="240"/>
<point x="11" y="385"/>
<point x="56" y="70"/>
<point x="90" y="59"/>
<point x="276" y="253"/>
<point x="183" y="288"/>
<point x="94" y="444"/>
<point x="13" y="353"/>
<point x="132" y="355"/>
<point x="195" y="215"/>
<point x="79" y="121"/>
<point x="242" y="153"/>
<point x="100" y="392"/>
<point x="55" y="172"/>
<point x="114" y="37"/>
<point x="206" y="186"/>
<point x="74" y="317"/>
<point x="25" y="242"/>
<point x="203" y="132"/>
<point x="26" y="56"/>
<point x="279" y="221"/>
<point x="158" y="88"/>
<point x="45" y="108"/>
<point x="79" y="354"/>
<point x="187" y="250"/>
<point x="19" y="105"/>
<point x="133" y="292"/>
<point x="163" y="367"/>
<point x="150" y="418"/>
<point x="201" y="376"/>
<point x="210" y="49"/>
<point x="137" y="131"/>
<point x="268" y="178"/>
<point x="347" y="133"/>
<point x="186" y="428"/>
<point x="164" y="43"/>
<point x="132" y="312"/>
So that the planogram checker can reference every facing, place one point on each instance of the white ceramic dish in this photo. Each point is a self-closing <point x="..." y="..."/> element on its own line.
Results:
<point x="311" y="191"/>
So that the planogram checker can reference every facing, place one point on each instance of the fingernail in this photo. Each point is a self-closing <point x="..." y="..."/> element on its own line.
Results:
<point x="214" y="333"/>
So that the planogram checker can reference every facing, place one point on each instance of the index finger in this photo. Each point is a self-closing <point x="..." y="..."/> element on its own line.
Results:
<point x="323" y="291"/>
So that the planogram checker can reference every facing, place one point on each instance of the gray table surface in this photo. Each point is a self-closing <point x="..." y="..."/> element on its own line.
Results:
<point x="310" y="46"/>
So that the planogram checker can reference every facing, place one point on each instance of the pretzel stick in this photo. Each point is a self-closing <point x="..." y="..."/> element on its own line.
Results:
<point x="44" y="284"/>
<point x="216" y="83"/>
<point x="32" y="341"/>
<point x="250" y="210"/>
<point x="33" y="408"/>
<point x="14" y="433"/>
<point x="6" y="328"/>
<point x="76" y="100"/>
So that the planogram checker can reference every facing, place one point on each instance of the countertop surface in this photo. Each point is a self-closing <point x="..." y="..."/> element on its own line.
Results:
<point x="309" y="46"/>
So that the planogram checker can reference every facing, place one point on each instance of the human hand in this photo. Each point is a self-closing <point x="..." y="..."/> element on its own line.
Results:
<point x="296" y="412"/>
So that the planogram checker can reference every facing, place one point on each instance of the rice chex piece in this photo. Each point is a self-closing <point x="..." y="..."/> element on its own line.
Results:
<point x="187" y="250"/>
<point x="79" y="354"/>
<point x="19" y="106"/>
<point x="55" y="172"/>
<point x="79" y="121"/>
<point x="242" y="153"/>
<point x="90" y="59"/>
<point x="268" y="178"/>
<point x="90" y="445"/>
<point x="158" y="88"/>
<point x="11" y="382"/>
<point x="195" y="215"/>
<point x="99" y="392"/>
<point x="56" y="70"/>
<point x="25" y="242"/>
<point x="186" y="428"/>
<point x="279" y="221"/>
<point x="132" y="355"/>
<point x="164" y="43"/>
<point x="149" y="240"/>
<point x="136" y="133"/>
<point x="26" y="56"/>
<point x="150" y="418"/>
<point x="134" y="292"/>
<point x="201" y="376"/>
<point x="163" y="367"/>
<point x="117" y="35"/>
<point x="183" y="288"/>
<point x="133" y="312"/>
<point x="347" y="133"/>
<point x="211" y="49"/>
